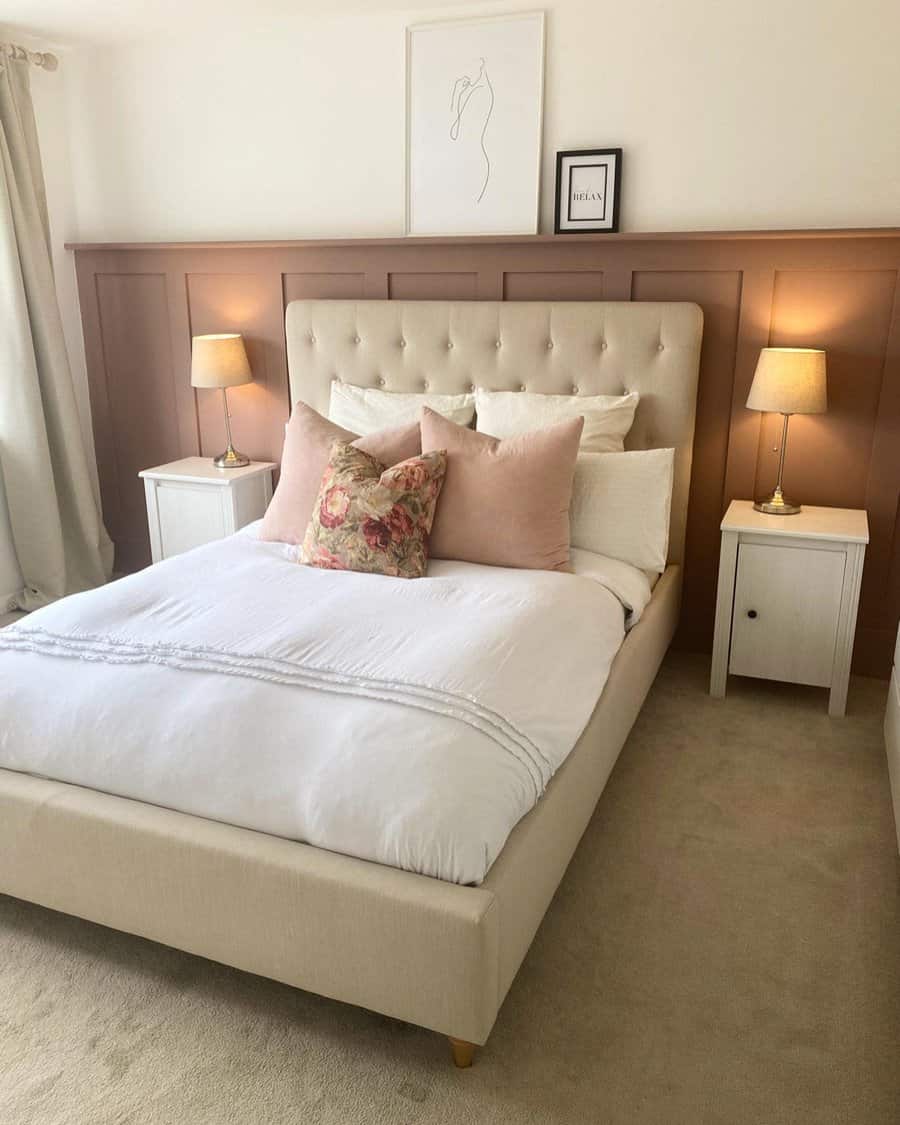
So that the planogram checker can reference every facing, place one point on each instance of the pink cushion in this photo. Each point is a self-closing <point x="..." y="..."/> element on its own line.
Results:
<point x="504" y="503"/>
<point x="307" y="445"/>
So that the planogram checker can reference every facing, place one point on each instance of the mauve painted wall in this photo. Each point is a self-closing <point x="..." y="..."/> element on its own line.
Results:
<point x="837" y="290"/>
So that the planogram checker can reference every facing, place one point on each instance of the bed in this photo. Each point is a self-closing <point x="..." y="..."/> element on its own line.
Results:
<point x="430" y="951"/>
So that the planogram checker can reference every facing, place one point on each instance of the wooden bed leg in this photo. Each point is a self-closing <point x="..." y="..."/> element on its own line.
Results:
<point x="463" y="1052"/>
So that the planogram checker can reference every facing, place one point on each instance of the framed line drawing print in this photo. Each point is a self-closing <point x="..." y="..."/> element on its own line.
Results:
<point x="588" y="186"/>
<point x="474" y="112"/>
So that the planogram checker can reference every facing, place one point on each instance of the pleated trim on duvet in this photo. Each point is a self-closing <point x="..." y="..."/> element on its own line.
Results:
<point x="116" y="650"/>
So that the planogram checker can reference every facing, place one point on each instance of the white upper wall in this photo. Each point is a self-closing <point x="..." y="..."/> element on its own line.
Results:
<point x="732" y="115"/>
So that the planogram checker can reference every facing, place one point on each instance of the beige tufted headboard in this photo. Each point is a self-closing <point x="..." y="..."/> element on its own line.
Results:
<point x="575" y="347"/>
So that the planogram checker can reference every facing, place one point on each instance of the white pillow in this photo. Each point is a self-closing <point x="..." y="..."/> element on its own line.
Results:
<point x="621" y="503"/>
<point x="607" y="418"/>
<point x="366" y="409"/>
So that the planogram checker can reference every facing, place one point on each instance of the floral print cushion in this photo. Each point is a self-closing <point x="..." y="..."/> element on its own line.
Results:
<point x="373" y="519"/>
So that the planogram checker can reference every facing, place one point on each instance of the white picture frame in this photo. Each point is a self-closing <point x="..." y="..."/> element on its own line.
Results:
<point x="474" y="124"/>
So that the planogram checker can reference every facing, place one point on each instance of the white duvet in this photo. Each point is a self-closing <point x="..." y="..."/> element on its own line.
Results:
<point x="412" y="723"/>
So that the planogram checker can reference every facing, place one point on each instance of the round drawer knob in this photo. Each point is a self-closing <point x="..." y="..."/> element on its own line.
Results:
<point x="751" y="613"/>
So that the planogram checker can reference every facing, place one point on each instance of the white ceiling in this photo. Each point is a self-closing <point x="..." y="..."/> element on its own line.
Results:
<point x="77" y="22"/>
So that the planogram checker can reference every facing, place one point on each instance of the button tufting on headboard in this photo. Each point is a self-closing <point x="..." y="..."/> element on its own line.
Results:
<point x="576" y="347"/>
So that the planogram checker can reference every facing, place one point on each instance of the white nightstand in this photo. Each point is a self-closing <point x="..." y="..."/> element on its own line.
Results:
<point x="787" y="597"/>
<point x="191" y="502"/>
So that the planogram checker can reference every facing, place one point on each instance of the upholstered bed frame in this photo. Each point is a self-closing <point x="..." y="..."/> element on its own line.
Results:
<point x="435" y="954"/>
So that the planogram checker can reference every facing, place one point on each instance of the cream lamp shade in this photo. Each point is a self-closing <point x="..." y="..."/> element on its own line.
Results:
<point x="219" y="361"/>
<point x="789" y="381"/>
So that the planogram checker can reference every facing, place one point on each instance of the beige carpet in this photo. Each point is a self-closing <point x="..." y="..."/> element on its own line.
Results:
<point x="724" y="949"/>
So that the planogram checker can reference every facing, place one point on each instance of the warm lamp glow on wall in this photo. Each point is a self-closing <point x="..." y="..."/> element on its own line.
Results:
<point x="219" y="362"/>
<point x="787" y="381"/>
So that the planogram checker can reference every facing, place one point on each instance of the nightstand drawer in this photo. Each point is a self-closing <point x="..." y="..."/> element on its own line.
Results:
<point x="787" y="603"/>
<point x="189" y="516"/>
<point x="192" y="502"/>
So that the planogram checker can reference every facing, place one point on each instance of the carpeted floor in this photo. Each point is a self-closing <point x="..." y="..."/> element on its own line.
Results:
<point x="725" y="948"/>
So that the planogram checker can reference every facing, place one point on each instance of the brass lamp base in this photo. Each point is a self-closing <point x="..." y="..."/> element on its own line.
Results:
<point x="776" y="505"/>
<point x="231" y="459"/>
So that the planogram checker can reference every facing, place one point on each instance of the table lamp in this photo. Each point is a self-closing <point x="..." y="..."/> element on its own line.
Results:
<point x="219" y="361"/>
<point x="787" y="381"/>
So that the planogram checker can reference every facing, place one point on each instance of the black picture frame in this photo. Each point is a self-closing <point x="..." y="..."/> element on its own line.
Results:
<point x="563" y="191"/>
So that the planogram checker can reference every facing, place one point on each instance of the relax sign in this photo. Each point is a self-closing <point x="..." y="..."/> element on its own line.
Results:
<point x="587" y="190"/>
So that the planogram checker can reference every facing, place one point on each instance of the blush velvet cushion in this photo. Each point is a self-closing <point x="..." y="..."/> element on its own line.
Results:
<point x="371" y="518"/>
<point x="504" y="502"/>
<point x="307" y="445"/>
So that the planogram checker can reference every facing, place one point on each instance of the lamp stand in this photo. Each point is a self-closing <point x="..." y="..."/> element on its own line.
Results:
<point x="230" y="459"/>
<point x="776" y="505"/>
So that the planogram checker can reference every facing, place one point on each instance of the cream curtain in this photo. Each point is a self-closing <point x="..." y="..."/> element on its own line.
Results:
<point x="58" y="534"/>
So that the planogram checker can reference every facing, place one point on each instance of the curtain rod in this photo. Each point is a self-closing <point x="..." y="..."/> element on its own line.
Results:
<point x="43" y="59"/>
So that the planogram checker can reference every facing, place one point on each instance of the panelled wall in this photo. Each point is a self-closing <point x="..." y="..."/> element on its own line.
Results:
<point x="141" y="304"/>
